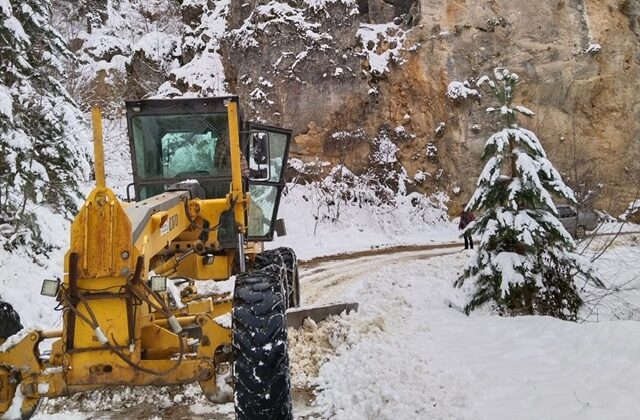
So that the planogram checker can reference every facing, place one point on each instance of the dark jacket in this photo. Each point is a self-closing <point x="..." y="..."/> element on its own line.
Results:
<point x="465" y="219"/>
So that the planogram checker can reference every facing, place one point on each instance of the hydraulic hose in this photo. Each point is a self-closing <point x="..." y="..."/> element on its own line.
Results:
<point x="93" y="323"/>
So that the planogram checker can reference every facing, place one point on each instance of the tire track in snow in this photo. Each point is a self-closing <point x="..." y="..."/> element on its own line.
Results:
<point x="328" y="280"/>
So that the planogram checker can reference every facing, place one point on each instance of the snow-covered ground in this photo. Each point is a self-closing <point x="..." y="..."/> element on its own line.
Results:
<point x="409" y="353"/>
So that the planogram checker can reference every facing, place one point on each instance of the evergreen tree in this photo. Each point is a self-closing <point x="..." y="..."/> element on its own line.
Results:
<point x="41" y="160"/>
<point x="524" y="264"/>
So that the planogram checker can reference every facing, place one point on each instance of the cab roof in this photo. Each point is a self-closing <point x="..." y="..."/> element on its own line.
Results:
<point x="175" y="106"/>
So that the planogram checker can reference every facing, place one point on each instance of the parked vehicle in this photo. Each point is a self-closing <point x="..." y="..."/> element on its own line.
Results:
<point x="577" y="222"/>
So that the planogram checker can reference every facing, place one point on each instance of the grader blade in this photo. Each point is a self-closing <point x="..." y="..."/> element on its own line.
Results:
<point x="296" y="316"/>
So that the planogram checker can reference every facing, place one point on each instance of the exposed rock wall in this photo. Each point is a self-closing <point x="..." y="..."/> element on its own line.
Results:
<point x="586" y="101"/>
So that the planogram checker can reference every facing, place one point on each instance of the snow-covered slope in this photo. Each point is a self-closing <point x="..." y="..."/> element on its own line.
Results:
<point x="21" y="275"/>
<point x="410" y="354"/>
<point x="358" y="227"/>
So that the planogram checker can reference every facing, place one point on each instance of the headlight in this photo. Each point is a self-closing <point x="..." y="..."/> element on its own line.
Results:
<point x="50" y="288"/>
<point x="158" y="283"/>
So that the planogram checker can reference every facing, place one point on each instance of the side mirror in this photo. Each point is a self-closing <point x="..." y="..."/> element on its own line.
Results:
<point x="280" y="228"/>
<point x="259" y="159"/>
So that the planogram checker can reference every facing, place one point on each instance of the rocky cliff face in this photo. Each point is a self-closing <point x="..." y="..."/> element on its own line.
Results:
<point x="341" y="73"/>
<point x="578" y="60"/>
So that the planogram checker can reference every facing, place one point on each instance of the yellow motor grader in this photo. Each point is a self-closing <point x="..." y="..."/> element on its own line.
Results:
<point x="207" y="188"/>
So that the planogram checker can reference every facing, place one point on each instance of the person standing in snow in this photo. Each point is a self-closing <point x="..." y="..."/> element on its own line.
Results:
<point x="466" y="217"/>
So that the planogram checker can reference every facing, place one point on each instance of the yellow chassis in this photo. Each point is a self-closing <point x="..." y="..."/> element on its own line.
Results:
<point x="96" y="368"/>
<point x="115" y="330"/>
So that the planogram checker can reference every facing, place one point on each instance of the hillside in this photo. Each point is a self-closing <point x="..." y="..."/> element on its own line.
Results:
<point x="342" y="73"/>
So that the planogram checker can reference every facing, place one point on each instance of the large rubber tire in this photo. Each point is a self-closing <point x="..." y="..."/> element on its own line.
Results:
<point x="260" y="348"/>
<point x="284" y="257"/>
<point x="9" y="321"/>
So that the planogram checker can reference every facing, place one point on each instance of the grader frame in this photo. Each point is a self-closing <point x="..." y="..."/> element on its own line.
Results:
<point x="119" y="326"/>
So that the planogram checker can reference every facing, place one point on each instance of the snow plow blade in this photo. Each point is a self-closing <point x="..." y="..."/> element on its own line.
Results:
<point x="296" y="316"/>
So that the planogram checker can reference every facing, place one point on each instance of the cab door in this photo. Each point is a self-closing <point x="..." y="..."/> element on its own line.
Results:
<point x="267" y="151"/>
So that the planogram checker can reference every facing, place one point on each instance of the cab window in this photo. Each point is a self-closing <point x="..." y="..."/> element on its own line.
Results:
<point x="169" y="148"/>
<point x="181" y="146"/>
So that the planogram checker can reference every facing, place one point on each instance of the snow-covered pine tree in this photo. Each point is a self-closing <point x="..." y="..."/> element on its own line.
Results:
<point x="525" y="262"/>
<point x="41" y="158"/>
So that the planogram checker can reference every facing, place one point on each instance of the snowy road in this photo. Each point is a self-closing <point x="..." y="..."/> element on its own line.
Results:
<point x="329" y="280"/>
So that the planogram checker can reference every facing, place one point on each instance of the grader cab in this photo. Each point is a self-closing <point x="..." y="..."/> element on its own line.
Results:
<point x="207" y="189"/>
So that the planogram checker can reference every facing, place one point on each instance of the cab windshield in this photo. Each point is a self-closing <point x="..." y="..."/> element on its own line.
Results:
<point x="173" y="147"/>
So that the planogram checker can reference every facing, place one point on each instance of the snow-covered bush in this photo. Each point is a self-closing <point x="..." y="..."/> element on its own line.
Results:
<point x="42" y="157"/>
<point x="381" y="188"/>
<point x="424" y="209"/>
<point x="341" y="192"/>
<point x="384" y="149"/>
<point x="202" y="72"/>
<point x="375" y="188"/>
<point x="123" y="49"/>
<point x="385" y="168"/>
<point x="632" y="212"/>
<point x="525" y="262"/>
<point x="458" y="91"/>
<point x="342" y="187"/>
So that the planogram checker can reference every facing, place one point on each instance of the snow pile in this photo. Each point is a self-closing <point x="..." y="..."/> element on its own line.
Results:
<point x="313" y="344"/>
<point x="618" y="265"/>
<point x="184" y="399"/>
<point x="390" y="372"/>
